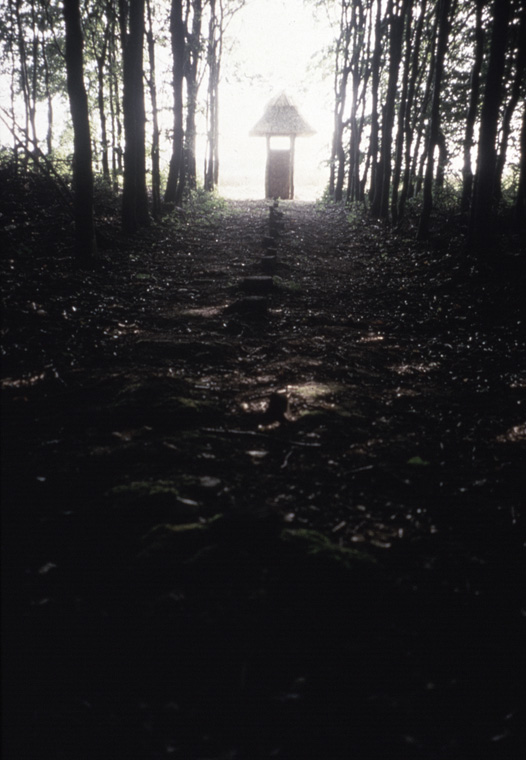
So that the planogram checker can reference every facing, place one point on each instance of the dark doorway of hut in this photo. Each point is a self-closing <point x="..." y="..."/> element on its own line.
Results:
<point x="281" y="123"/>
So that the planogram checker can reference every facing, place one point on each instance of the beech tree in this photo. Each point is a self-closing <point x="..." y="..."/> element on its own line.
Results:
<point x="194" y="54"/>
<point x="134" y="196"/>
<point x="520" y="202"/>
<point x="176" y="175"/>
<point x="485" y="178"/>
<point x="152" y="86"/>
<point x="471" y="115"/>
<point x="85" y="244"/>
<point x="434" y="127"/>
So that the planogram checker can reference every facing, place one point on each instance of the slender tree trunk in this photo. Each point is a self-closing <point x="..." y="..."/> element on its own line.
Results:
<point x="443" y="157"/>
<point x="85" y="245"/>
<point x="134" y="195"/>
<point x="380" y="204"/>
<point x="101" y="66"/>
<point x="481" y="227"/>
<point x="152" y="85"/>
<point x="359" y="76"/>
<point x="410" y="122"/>
<point x="114" y="101"/>
<point x="342" y="71"/>
<point x="520" y="202"/>
<point x="467" y="171"/>
<point x="34" y="79"/>
<point x="517" y="87"/>
<point x="214" y="42"/>
<point x="192" y="87"/>
<point x="24" y="78"/>
<point x="434" y="128"/>
<point x="12" y="92"/>
<point x="402" y="114"/>
<point x="175" y="184"/>
<point x="374" y="140"/>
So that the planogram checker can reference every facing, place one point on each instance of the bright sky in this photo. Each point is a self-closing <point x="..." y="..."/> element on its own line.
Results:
<point x="277" y="46"/>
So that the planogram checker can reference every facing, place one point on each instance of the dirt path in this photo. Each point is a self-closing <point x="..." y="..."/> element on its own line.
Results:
<point x="379" y="399"/>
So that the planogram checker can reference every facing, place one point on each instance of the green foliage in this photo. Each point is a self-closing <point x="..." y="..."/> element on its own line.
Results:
<point x="417" y="461"/>
<point x="206" y="207"/>
<point x="357" y="213"/>
<point x="287" y="286"/>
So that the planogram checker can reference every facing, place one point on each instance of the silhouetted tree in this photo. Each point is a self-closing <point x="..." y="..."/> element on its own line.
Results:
<point x="485" y="177"/>
<point x="434" y="127"/>
<point x="85" y="245"/>
<point x="176" y="174"/>
<point x="134" y="197"/>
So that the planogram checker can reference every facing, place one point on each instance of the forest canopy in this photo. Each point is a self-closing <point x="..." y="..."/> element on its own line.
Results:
<point x="428" y="104"/>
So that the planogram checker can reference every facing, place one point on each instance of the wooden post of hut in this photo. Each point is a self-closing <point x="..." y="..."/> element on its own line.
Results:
<point x="280" y="123"/>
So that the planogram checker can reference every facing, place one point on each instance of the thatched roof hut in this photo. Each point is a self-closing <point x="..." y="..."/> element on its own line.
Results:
<point x="282" y="118"/>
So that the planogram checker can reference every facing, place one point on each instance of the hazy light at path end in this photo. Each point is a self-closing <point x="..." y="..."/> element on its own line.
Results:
<point x="277" y="46"/>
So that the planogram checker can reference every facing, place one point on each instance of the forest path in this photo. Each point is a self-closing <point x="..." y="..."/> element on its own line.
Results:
<point x="143" y="396"/>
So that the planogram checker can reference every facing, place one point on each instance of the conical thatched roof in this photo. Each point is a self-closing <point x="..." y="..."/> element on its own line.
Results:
<point x="281" y="117"/>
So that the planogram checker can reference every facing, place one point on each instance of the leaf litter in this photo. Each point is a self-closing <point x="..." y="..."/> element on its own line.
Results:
<point x="377" y="403"/>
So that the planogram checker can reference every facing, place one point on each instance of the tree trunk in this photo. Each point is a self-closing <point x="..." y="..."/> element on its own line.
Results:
<point x="152" y="85"/>
<point x="359" y="76"/>
<point x="520" y="202"/>
<point x="402" y="115"/>
<point x="214" y="43"/>
<point x="341" y="77"/>
<point x="375" y="85"/>
<point x="114" y="101"/>
<point x="380" y="204"/>
<point x="192" y="87"/>
<point x="415" y="76"/>
<point x="467" y="172"/>
<point x="85" y="246"/>
<point x="101" y="64"/>
<point x="175" y="184"/>
<point x="517" y="86"/>
<point x="24" y="79"/>
<point x="434" y="127"/>
<point x="481" y="227"/>
<point x="134" y="195"/>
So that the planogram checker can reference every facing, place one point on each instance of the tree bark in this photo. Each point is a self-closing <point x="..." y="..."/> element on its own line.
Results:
<point x="481" y="227"/>
<point x="516" y="89"/>
<point x="380" y="204"/>
<point x="152" y="85"/>
<point x="410" y="119"/>
<point x="193" y="49"/>
<point x="85" y="245"/>
<point x="176" y="179"/>
<point x="374" y="140"/>
<point x="402" y="114"/>
<point x="134" y="196"/>
<point x="520" y="202"/>
<point x="434" y="129"/>
<point x="467" y="171"/>
<point x="213" y="59"/>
